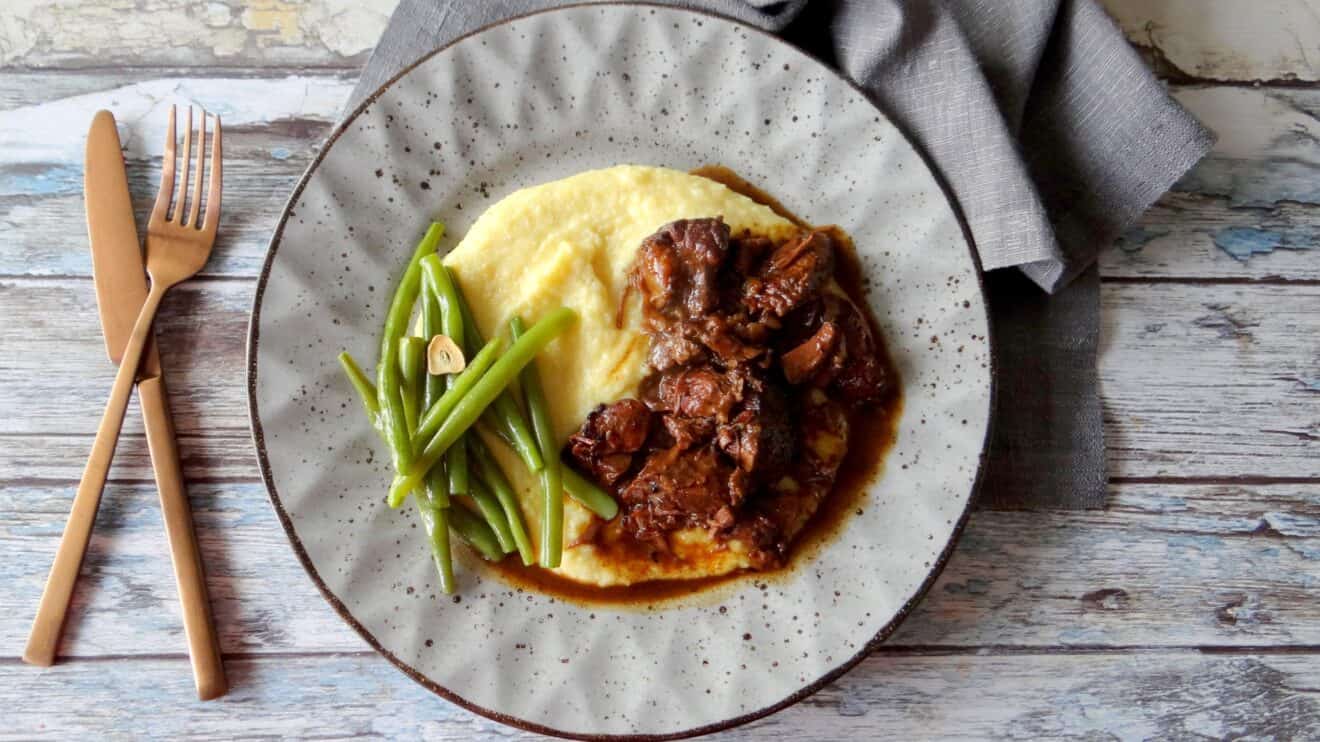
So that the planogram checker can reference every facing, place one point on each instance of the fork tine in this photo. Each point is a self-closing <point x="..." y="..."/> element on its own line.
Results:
<point x="182" y="191"/>
<point x="161" y="210"/>
<point x="213" y="191"/>
<point x="197" y="181"/>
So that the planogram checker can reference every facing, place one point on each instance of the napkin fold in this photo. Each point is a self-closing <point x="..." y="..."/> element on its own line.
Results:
<point x="1047" y="130"/>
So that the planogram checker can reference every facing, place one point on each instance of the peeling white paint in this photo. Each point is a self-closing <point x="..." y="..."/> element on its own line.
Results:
<point x="54" y="131"/>
<point x="1228" y="39"/>
<point x="189" y="33"/>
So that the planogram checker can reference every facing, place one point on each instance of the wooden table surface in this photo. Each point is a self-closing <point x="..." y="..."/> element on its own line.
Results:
<point x="1186" y="609"/>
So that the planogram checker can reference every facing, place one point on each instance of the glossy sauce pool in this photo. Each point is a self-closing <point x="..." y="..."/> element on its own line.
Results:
<point x="870" y="437"/>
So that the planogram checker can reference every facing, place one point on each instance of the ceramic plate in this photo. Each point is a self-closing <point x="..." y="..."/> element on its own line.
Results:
<point x="539" y="98"/>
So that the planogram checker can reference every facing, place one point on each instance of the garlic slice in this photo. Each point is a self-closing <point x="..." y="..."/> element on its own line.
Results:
<point x="443" y="356"/>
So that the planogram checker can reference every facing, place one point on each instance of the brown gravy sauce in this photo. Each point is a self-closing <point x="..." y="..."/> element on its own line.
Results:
<point x="870" y="438"/>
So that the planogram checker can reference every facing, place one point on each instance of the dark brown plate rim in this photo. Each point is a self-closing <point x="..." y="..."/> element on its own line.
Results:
<point x="258" y="437"/>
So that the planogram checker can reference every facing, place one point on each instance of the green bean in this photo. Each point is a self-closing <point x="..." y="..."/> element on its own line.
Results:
<point x="480" y="396"/>
<point x="552" y="483"/>
<point x="431" y="326"/>
<point x="506" y="407"/>
<point x="436" y="523"/>
<point x="475" y="532"/>
<point x="523" y="440"/>
<point x="490" y="509"/>
<point x="588" y="495"/>
<point x="451" y="322"/>
<point x="441" y="409"/>
<point x="493" y="477"/>
<point x="412" y="364"/>
<point x="365" y="389"/>
<point x="387" y="367"/>
<point x="437" y="482"/>
<point x="433" y="520"/>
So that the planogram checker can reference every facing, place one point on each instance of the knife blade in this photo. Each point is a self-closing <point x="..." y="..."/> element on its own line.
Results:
<point x="119" y="273"/>
<point x="118" y="270"/>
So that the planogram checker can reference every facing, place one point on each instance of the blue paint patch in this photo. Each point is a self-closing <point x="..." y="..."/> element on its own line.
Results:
<point x="280" y="153"/>
<point x="1136" y="238"/>
<point x="1253" y="182"/>
<point x="38" y="180"/>
<point x="1310" y="385"/>
<point x="1243" y="242"/>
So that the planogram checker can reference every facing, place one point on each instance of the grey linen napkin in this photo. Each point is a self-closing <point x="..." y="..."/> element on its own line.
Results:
<point x="1045" y="127"/>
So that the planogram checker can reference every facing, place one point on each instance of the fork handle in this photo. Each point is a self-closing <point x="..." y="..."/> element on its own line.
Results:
<point x="54" y="606"/>
<point x="189" y="575"/>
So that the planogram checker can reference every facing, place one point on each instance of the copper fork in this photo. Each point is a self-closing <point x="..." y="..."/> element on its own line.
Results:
<point x="178" y="245"/>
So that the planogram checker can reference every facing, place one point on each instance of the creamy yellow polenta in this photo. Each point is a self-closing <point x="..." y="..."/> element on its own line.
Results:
<point x="571" y="243"/>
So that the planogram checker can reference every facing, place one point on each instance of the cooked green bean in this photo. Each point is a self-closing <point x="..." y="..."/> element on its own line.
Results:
<point x="435" y="521"/>
<point x="387" y="366"/>
<point x="365" y="389"/>
<point x="475" y="532"/>
<point x="588" y="495"/>
<point x="480" y="396"/>
<point x="412" y="364"/>
<point x="441" y="409"/>
<point x="523" y="440"/>
<point x="451" y="322"/>
<point x="490" y="509"/>
<point x="552" y="483"/>
<point x="437" y="482"/>
<point x="493" y="477"/>
<point x="505" y="409"/>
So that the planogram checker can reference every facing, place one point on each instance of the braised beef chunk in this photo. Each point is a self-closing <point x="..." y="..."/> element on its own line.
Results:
<point x="810" y="357"/>
<point x="823" y="429"/>
<point x="755" y="358"/>
<point x="699" y="392"/>
<point x="674" y="350"/>
<point x="687" y="432"/>
<point x="748" y="252"/>
<point x="679" y="488"/>
<point x="861" y="375"/>
<point x="677" y="268"/>
<point x="611" y="434"/>
<point x="759" y="439"/>
<point x="793" y="274"/>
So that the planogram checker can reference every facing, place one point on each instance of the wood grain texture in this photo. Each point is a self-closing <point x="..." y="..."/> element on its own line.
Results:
<point x="79" y="33"/>
<point x="1145" y="695"/>
<point x="1225" y="40"/>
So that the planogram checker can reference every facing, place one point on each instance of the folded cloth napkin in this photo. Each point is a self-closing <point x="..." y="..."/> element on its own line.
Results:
<point x="1047" y="130"/>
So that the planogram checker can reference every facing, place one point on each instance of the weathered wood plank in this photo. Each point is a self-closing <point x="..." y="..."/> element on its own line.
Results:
<point x="1197" y="380"/>
<point x="1189" y="236"/>
<point x="59" y="374"/>
<point x="1251" y="210"/>
<point x="1166" y="565"/>
<point x="88" y="33"/>
<point x="273" y="128"/>
<point x="1248" y="212"/>
<point x="1211" y="40"/>
<point x="1146" y="695"/>
<point x="1210" y="380"/>
<point x="1223" y="39"/>
<point x="212" y="456"/>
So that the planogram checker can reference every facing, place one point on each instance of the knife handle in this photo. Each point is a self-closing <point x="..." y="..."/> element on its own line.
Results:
<point x="203" y="644"/>
<point x="54" y="607"/>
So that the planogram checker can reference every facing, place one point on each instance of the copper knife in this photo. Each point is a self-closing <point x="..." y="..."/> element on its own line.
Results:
<point x="121" y="288"/>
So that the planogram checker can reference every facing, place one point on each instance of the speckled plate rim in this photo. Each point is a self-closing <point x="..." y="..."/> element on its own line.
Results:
<point x="258" y="437"/>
